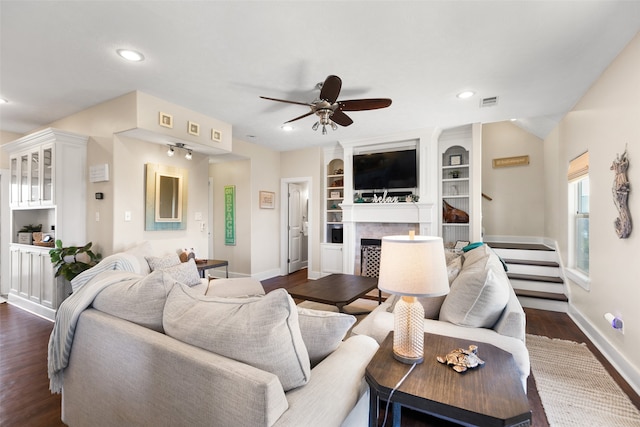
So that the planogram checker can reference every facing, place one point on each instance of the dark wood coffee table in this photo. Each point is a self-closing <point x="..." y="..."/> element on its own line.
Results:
<point x="490" y="395"/>
<point x="335" y="289"/>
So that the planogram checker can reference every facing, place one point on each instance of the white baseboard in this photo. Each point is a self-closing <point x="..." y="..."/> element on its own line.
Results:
<point x="621" y="364"/>
<point x="32" y="307"/>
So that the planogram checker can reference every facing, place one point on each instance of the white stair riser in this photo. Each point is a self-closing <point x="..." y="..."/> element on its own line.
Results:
<point x="527" y="254"/>
<point x="542" y="304"/>
<point x="537" y="270"/>
<point x="556" y="288"/>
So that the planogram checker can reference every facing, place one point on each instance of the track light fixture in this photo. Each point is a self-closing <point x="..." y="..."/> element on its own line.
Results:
<point x="171" y="151"/>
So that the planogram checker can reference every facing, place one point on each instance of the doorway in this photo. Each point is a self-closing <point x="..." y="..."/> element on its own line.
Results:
<point x="296" y="225"/>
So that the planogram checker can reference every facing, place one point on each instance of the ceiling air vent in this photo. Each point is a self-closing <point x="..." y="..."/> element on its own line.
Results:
<point x="489" y="102"/>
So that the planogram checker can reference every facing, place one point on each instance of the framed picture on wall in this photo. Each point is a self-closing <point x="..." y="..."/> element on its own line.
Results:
<point x="267" y="200"/>
<point x="193" y="129"/>
<point x="455" y="160"/>
<point x="165" y="120"/>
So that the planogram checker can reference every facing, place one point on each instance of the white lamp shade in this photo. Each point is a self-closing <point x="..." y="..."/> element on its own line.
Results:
<point x="413" y="266"/>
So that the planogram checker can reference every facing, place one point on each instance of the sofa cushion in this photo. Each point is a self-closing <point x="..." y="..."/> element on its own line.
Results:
<point x="185" y="272"/>
<point x="480" y="292"/>
<point x="160" y="262"/>
<point x="260" y="331"/>
<point x="140" y="301"/>
<point x="322" y="331"/>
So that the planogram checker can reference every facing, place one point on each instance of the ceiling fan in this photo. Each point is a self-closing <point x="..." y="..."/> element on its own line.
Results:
<point x="330" y="112"/>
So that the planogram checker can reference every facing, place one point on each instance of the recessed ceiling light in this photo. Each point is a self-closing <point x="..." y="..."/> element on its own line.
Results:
<point x="466" y="94"/>
<point x="286" y="127"/>
<point x="130" y="55"/>
<point x="3" y="101"/>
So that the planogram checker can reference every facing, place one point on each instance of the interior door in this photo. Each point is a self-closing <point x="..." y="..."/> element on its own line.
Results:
<point x="295" y="228"/>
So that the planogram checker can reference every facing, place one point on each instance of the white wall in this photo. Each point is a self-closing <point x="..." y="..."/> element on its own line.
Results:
<point x="603" y="122"/>
<point x="236" y="173"/>
<point x="517" y="208"/>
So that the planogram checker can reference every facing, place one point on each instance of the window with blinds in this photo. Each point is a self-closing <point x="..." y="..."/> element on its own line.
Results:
<point x="578" y="177"/>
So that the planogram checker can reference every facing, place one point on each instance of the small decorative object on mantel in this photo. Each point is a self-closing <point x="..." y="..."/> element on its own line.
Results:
<point x="384" y="198"/>
<point x="461" y="360"/>
<point x="621" y="189"/>
<point x="412" y="198"/>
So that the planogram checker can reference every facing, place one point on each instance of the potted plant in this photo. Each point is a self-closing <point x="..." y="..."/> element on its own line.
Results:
<point x="25" y="234"/>
<point x="72" y="260"/>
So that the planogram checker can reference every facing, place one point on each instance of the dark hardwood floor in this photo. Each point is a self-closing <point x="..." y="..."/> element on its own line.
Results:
<point x="25" y="400"/>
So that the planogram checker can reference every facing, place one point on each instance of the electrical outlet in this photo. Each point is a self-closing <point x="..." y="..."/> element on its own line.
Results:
<point x="97" y="216"/>
<point x="127" y="215"/>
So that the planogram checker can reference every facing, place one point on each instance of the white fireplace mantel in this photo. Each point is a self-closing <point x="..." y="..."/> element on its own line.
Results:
<point x="420" y="214"/>
<point x="387" y="212"/>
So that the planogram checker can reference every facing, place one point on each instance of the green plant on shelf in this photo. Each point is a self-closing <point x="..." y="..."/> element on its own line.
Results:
<point x="31" y="228"/>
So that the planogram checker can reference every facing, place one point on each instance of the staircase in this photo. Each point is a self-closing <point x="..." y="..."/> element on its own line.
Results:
<point x="535" y="274"/>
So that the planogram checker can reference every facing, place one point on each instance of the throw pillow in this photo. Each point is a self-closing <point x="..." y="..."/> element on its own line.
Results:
<point x="142" y="251"/>
<point x="160" y="262"/>
<point x="453" y="268"/>
<point x="140" y="301"/>
<point x="322" y="331"/>
<point x="260" y="331"/>
<point x="185" y="272"/>
<point x="480" y="292"/>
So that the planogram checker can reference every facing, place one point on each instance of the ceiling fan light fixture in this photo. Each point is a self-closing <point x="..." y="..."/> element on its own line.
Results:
<point x="188" y="156"/>
<point x="324" y="129"/>
<point x="170" y="151"/>
<point x="315" y="126"/>
<point x="334" y="126"/>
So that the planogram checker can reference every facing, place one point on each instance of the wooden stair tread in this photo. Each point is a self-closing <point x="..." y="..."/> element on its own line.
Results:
<point x="534" y="278"/>
<point x="531" y="262"/>
<point x="522" y="246"/>
<point x="541" y="295"/>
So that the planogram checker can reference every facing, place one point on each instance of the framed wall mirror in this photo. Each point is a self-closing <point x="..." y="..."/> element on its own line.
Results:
<point x="166" y="197"/>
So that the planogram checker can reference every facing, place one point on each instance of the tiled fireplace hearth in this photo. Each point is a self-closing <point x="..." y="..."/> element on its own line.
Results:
<point x="376" y="220"/>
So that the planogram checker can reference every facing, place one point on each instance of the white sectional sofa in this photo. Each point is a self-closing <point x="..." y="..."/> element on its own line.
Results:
<point x="141" y="354"/>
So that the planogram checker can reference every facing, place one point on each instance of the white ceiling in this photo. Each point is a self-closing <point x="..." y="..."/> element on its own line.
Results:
<point x="217" y="58"/>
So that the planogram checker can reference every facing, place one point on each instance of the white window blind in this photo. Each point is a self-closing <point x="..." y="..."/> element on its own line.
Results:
<point x="578" y="167"/>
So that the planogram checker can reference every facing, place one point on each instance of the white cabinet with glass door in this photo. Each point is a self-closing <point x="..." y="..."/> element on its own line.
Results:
<point x="32" y="177"/>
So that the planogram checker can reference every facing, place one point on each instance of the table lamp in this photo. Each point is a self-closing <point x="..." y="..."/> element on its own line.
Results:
<point x="411" y="266"/>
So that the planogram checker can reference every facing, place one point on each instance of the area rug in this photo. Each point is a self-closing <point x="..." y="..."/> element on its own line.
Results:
<point x="574" y="387"/>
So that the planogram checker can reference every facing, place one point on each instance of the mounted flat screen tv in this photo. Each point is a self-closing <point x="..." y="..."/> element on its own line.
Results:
<point x="381" y="171"/>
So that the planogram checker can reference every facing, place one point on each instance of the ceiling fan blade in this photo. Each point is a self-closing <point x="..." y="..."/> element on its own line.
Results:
<point x="331" y="89"/>
<point x="284" y="100"/>
<point x="300" y="117"/>
<point x="341" y="118"/>
<point x="364" y="104"/>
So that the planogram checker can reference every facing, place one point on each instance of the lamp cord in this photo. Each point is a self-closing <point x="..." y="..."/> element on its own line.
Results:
<point x="386" y="409"/>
